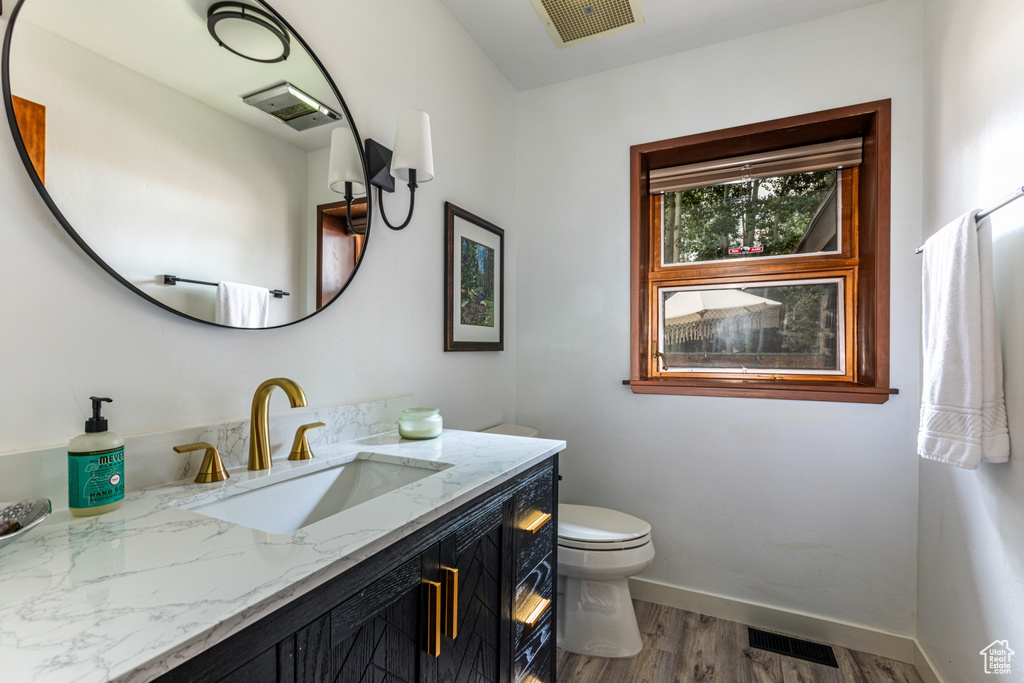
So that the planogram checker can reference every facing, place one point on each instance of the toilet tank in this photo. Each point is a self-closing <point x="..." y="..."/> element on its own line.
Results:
<point x="512" y="430"/>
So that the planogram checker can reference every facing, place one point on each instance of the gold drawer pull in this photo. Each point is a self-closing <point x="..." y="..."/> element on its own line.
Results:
<point x="539" y="607"/>
<point x="538" y="522"/>
<point x="433" y="618"/>
<point x="451" y="612"/>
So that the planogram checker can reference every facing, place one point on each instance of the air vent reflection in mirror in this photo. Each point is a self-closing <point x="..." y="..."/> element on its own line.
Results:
<point x="290" y="105"/>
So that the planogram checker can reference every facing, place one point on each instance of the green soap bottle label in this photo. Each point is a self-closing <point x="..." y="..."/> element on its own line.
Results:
<point x="95" y="478"/>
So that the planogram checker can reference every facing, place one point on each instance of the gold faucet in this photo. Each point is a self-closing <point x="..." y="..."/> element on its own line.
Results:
<point x="259" y="430"/>
<point x="300" y="447"/>
<point x="212" y="469"/>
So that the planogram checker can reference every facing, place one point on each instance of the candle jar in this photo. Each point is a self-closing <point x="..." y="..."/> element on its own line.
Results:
<point x="420" y="423"/>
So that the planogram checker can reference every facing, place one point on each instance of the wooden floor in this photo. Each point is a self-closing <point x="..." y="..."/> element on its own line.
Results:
<point x="683" y="647"/>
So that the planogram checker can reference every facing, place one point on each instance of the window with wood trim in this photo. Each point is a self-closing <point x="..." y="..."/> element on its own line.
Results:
<point x="760" y="259"/>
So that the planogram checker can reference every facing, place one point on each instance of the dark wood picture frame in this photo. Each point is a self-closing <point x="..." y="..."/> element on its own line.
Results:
<point x="461" y="225"/>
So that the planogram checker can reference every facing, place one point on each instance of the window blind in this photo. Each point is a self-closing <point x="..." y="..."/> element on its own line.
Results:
<point x="818" y="157"/>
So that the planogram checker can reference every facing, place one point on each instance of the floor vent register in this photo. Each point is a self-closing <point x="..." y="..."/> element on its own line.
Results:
<point x="792" y="647"/>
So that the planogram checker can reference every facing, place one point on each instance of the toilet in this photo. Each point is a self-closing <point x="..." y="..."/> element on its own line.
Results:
<point x="512" y="430"/>
<point x="598" y="550"/>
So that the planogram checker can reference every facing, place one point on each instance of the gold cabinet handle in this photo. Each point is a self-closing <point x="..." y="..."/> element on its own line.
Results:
<point x="300" y="447"/>
<point x="433" y="618"/>
<point x="538" y="522"/>
<point x="451" y="611"/>
<point x="212" y="468"/>
<point x="536" y="611"/>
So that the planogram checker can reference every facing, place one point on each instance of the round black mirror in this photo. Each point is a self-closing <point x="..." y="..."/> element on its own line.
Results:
<point x="185" y="146"/>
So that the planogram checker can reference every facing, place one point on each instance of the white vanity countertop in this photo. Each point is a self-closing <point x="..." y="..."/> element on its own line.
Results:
<point x="127" y="595"/>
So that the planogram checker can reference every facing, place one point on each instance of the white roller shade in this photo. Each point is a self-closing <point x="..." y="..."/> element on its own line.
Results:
<point x="819" y="157"/>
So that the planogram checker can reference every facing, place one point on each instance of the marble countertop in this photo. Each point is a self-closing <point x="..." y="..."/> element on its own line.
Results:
<point x="128" y="595"/>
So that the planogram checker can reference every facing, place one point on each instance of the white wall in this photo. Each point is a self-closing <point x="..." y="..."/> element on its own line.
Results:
<point x="971" y="563"/>
<point x="145" y="174"/>
<point x="805" y="506"/>
<point x="68" y="330"/>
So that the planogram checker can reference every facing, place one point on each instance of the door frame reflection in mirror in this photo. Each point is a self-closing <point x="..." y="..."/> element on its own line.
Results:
<point x="332" y="221"/>
<point x="38" y="182"/>
<point x="31" y="118"/>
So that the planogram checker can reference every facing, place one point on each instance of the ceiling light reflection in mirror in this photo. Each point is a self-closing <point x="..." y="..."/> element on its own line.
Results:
<point x="169" y="154"/>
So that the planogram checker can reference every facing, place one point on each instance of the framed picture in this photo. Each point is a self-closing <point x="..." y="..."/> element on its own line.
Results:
<point x="474" y="275"/>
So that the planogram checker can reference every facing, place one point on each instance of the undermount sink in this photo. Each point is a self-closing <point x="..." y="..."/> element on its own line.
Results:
<point x="281" y="507"/>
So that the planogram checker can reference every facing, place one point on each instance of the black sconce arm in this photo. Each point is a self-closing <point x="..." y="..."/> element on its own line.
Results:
<point x="352" y="229"/>
<point x="378" y="162"/>
<point x="412" y="202"/>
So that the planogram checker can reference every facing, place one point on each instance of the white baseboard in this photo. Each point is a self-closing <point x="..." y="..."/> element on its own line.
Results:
<point x="884" y="644"/>
<point x="925" y="666"/>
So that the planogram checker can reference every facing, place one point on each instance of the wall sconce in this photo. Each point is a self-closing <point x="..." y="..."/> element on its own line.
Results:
<point x="412" y="160"/>
<point x="345" y="171"/>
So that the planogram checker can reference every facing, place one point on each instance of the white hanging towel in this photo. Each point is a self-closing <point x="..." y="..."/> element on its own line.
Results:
<point x="963" y="414"/>
<point x="242" y="305"/>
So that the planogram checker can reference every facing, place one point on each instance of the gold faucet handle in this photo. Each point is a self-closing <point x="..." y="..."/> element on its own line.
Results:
<point x="212" y="468"/>
<point x="300" y="447"/>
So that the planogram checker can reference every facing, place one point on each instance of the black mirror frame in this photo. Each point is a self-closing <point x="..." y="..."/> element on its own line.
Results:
<point x="5" y="81"/>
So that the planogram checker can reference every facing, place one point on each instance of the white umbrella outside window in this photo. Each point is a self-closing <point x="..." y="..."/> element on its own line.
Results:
<point x="704" y="314"/>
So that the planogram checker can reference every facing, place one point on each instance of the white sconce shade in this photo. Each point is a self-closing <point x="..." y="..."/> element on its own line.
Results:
<point x="412" y="161"/>
<point x="412" y="146"/>
<point x="345" y="165"/>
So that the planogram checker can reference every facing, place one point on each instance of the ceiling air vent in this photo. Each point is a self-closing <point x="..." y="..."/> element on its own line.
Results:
<point x="575" y="21"/>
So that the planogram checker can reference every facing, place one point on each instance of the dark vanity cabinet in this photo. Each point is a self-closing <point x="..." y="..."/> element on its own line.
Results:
<point x="484" y="573"/>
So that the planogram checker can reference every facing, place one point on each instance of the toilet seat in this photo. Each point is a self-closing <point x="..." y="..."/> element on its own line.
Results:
<point x="604" y="545"/>
<point x="602" y="565"/>
<point x="593" y="528"/>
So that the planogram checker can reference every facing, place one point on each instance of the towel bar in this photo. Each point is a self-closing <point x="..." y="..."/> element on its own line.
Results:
<point x="1012" y="197"/>
<point x="174" y="279"/>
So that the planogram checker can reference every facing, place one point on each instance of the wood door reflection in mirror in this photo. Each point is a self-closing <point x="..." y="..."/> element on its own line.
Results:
<point x="337" y="249"/>
<point x="32" y="124"/>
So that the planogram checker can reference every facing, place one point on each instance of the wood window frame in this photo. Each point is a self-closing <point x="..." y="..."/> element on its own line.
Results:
<point x="867" y="254"/>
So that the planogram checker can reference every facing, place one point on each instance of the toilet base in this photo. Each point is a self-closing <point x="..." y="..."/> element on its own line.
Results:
<point x="596" y="618"/>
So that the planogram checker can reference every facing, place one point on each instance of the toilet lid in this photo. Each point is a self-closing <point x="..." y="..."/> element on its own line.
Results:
<point x="512" y="430"/>
<point x="599" y="525"/>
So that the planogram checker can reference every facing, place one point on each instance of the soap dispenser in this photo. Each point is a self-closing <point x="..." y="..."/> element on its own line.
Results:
<point x="95" y="466"/>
